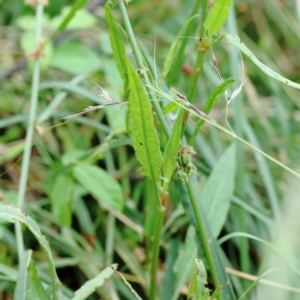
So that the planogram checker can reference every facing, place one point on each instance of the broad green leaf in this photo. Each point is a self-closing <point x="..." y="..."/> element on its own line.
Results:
<point x="217" y="17"/>
<point x="143" y="133"/>
<point x="13" y="214"/>
<point x="197" y="285"/>
<point x="215" y="95"/>
<point x="218" y="190"/>
<point x="61" y="196"/>
<point x="28" y="22"/>
<point x="293" y="262"/>
<point x="82" y="19"/>
<point x="171" y="150"/>
<point x="35" y="283"/>
<point x="20" y="289"/>
<point x="28" y="45"/>
<point x="100" y="185"/>
<point x="75" y="59"/>
<point x="116" y="42"/>
<point x="90" y="286"/>
<point x="235" y="41"/>
<point x="183" y="266"/>
<point x="173" y="50"/>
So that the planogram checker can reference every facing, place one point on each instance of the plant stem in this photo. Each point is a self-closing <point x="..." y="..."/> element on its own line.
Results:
<point x="139" y="61"/>
<point x="155" y="252"/>
<point x="160" y="215"/>
<point x="203" y="235"/>
<point x="198" y="65"/>
<point x="30" y="129"/>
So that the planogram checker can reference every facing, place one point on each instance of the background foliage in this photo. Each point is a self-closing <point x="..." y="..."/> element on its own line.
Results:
<point x="85" y="193"/>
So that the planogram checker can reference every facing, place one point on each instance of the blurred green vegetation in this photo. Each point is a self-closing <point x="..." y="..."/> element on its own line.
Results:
<point x="84" y="187"/>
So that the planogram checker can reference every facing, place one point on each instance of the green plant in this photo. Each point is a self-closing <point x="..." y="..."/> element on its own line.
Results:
<point x="89" y="236"/>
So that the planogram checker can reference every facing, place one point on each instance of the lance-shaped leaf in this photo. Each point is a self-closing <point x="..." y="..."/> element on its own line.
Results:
<point x="169" y="61"/>
<point x="143" y="133"/>
<point x="197" y="285"/>
<point x="13" y="214"/>
<point x="36" y="289"/>
<point x="235" y="41"/>
<point x="215" y="95"/>
<point x="116" y="42"/>
<point x="90" y="286"/>
<point x="171" y="150"/>
<point x="218" y="190"/>
<point x="217" y="17"/>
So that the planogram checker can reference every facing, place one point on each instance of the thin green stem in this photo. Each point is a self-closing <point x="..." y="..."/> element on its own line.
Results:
<point x="30" y="129"/>
<point x="204" y="238"/>
<point x="165" y="126"/>
<point x="155" y="252"/>
<point x="139" y="61"/>
<point x="198" y="65"/>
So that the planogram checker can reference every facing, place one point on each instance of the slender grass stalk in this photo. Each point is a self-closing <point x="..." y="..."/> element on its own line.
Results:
<point x="198" y="64"/>
<point x="30" y="128"/>
<point x="139" y="61"/>
<point x="204" y="239"/>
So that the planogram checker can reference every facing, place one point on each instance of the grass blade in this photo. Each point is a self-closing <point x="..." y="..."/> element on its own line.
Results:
<point x="171" y="151"/>
<point x="90" y="286"/>
<point x="36" y="285"/>
<point x="12" y="214"/>
<point x="218" y="190"/>
<point x="143" y="133"/>
<point x="116" y="42"/>
<point x="20" y="290"/>
<point x="169" y="61"/>
<point x="292" y="261"/>
<point x="253" y="285"/>
<point x="235" y="41"/>
<point x="220" y="90"/>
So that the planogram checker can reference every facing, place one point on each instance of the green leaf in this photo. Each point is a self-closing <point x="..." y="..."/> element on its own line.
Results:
<point x="170" y="107"/>
<point x="81" y="20"/>
<point x="143" y="133"/>
<point x="171" y="150"/>
<point x="75" y="59"/>
<point x="61" y="195"/>
<point x="169" y="61"/>
<point x="100" y="185"/>
<point x="215" y="95"/>
<point x="218" y="190"/>
<point x="13" y="214"/>
<point x="220" y="90"/>
<point x="183" y="266"/>
<point x="28" y="45"/>
<point x="28" y="22"/>
<point x="20" y="289"/>
<point x="63" y="24"/>
<point x="116" y="42"/>
<point x="35" y="283"/>
<point x="197" y="286"/>
<point x="217" y="17"/>
<point x="235" y="41"/>
<point x="90" y="286"/>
